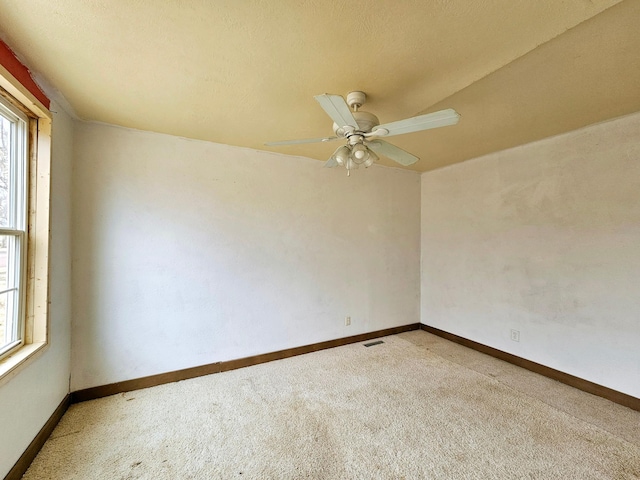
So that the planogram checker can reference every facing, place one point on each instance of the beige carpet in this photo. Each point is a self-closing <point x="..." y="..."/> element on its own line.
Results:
<point x="414" y="407"/>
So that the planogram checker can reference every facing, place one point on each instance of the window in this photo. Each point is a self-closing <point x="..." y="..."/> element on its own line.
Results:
<point x="25" y="170"/>
<point x="13" y="225"/>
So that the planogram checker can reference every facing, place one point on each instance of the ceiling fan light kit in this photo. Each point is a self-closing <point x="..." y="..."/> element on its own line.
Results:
<point x="351" y="157"/>
<point x="362" y="129"/>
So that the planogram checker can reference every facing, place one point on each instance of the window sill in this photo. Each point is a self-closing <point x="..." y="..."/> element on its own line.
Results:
<point x="10" y="365"/>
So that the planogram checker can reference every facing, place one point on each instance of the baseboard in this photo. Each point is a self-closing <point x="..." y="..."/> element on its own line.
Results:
<point x="36" y="444"/>
<point x="571" y="380"/>
<point x="143" y="382"/>
<point x="185" y="374"/>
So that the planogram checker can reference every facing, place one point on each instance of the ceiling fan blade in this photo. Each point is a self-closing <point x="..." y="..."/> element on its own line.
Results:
<point x="331" y="163"/>
<point x="303" y="140"/>
<point x="391" y="151"/>
<point x="337" y="109"/>
<point x="442" y="118"/>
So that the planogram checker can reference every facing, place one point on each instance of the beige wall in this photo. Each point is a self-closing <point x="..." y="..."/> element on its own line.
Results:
<point x="545" y="239"/>
<point x="188" y="252"/>
<point x="30" y="395"/>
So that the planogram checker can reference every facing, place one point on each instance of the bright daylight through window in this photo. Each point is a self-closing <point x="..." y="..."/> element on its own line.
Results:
<point x="13" y="225"/>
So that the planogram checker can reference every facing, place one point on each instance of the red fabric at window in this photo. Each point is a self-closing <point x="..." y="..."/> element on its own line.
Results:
<point x="21" y="73"/>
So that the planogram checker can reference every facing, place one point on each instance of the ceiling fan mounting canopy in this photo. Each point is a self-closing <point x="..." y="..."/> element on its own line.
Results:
<point x="356" y="99"/>
<point x="362" y="129"/>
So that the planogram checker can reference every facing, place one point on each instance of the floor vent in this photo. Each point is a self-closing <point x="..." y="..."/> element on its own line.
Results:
<point x="371" y="344"/>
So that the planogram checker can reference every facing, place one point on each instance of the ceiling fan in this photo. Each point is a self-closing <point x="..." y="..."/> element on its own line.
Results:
<point x="362" y="130"/>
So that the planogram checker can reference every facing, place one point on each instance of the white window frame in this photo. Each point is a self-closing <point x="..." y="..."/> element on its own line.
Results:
<point x="17" y="226"/>
<point x="36" y="242"/>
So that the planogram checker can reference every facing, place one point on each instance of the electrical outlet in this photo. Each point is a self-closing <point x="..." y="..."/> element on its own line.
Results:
<point x="347" y="321"/>
<point x="515" y="335"/>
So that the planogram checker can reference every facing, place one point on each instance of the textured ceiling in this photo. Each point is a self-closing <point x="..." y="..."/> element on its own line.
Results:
<point x="245" y="72"/>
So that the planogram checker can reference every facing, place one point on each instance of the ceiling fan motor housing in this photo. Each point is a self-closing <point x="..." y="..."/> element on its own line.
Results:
<point x="366" y="121"/>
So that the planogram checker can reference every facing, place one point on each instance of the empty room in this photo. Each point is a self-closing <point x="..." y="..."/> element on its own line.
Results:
<point x="319" y="239"/>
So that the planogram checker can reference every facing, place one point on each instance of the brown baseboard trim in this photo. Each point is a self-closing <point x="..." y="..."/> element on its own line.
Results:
<point x="169" y="377"/>
<point x="292" y="352"/>
<point x="572" y="381"/>
<point x="143" y="382"/>
<point x="36" y="444"/>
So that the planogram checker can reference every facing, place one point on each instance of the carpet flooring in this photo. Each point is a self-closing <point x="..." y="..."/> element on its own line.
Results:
<point x="413" y="407"/>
